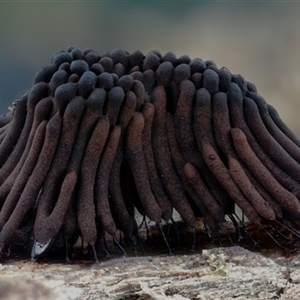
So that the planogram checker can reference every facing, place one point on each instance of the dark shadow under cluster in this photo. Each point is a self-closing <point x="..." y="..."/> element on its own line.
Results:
<point x="100" y="136"/>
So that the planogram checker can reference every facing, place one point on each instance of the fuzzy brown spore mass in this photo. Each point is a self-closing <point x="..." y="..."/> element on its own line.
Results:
<point x="98" y="136"/>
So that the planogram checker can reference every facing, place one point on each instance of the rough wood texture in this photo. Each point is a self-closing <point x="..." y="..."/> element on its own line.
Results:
<point x="218" y="273"/>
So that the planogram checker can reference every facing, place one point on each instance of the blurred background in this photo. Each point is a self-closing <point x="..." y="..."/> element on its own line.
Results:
<point x="259" y="40"/>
